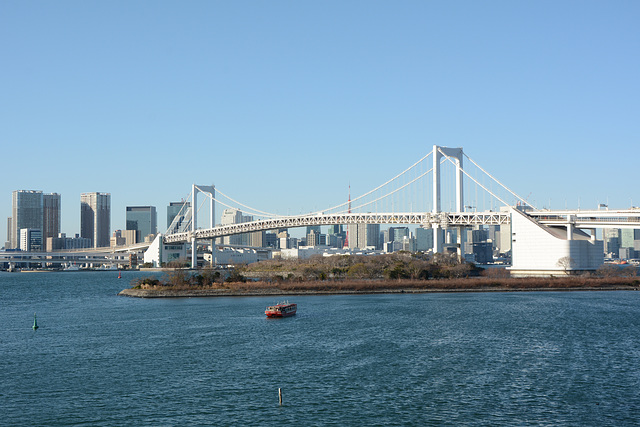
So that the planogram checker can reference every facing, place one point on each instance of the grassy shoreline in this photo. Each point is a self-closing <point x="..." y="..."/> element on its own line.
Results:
<point x="480" y="284"/>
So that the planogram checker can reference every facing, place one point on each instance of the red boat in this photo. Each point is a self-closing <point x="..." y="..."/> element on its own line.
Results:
<point x="282" y="309"/>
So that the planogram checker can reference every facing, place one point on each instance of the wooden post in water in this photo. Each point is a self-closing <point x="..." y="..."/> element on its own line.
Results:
<point x="280" y="396"/>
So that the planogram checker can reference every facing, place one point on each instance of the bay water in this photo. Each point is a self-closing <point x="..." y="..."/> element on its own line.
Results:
<point x="504" y="358"/>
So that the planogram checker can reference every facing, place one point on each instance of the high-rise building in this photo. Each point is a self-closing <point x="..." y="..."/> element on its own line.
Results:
<point x="26" y="212"/>
<point x="611" y="238"/>
<point x="628" y="236"/>
<point x="231" y="216"/>
<point x="95" y="218"/>
<point x="424" y="238"/>
<point x="313" y="236"/>
<point x="335" y="229"/>
<point x="7" y="244"/>
<point x="51" y="215"/>
<point x="362" y="236"/>
<point x="142" y="219"/>
<point x="315" y="228"/>
<point x="174" y="209"/>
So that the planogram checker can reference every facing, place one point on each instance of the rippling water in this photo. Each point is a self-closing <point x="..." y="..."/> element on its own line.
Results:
<point x="539" y="358"/>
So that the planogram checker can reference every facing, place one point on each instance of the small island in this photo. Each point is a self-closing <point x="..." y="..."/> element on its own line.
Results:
<point x="401" y="272"/>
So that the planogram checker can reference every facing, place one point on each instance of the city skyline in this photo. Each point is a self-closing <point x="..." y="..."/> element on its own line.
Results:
<point x="284" y="105"/>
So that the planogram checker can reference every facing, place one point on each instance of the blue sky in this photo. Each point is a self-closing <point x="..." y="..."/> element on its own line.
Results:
<point x="282" y="104"/>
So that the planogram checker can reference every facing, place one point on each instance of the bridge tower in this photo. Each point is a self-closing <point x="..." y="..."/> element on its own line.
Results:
<point x="456" y="155"/>
<point x="211" y="191"/>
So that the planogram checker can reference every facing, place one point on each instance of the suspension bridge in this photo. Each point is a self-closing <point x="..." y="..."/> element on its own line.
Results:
<point x="416" y="196"/>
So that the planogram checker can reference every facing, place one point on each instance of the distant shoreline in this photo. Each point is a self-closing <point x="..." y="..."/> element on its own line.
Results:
<point x="390" y="287"/>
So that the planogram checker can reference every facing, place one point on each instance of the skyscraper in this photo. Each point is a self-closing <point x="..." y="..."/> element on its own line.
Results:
<point x="95" y="218"/>
<point x="142" y="219"/>
<point x="232" y="216"/>
<point x="51" y="216"/>
<point x="26" y="213"/>
<point x="174" y="209"/>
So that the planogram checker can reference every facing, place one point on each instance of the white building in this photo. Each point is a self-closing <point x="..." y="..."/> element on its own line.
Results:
<point x="538" y="250"/>
<point x="159" y="252"/>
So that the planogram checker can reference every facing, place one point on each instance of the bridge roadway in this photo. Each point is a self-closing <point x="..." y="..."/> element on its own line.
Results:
<point x="444" y="219"/>
<point x="118" y="255"/>
<point x="629" y="218"/>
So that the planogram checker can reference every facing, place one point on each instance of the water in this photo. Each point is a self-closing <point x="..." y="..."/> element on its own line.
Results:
<point x="543" y="358"/>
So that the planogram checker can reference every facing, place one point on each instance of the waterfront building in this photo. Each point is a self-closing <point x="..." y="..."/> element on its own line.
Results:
<point x="504" y="245"/>
<point x="7" y="244"/>
<point x="95" y="218"/>
<point x="26" y="212"/>
<point x="51" y="208"/>
<point x="542" y="250"/>
<point x="63" y="242"/>
<point x="31" y="239"/>
<point x="142" y="219"/>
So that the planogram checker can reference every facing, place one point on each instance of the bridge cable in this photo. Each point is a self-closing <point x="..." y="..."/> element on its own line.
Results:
<point x="380" y="186"/>
<point x="474" y="180"/>
<point x="503" y="186"/>
<point x="253" y="210"/>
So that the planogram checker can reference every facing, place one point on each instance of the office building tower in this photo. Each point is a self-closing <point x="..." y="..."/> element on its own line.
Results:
<point x="231" y="216"/>
<point x="31" y="239"/>
<point x="313" y="236"/>
<point x="424" y="239"/>
<point x="142" y="219"/>
<point x="177" y="209"/>
<point x="51" y="215"/>
<point x="95" y="218"/>
<point x="363" y="236"/>
<point x="26" y="212"/>
<point x="7" y="244"/>
<point x="611" y="238"/>
<point x="628" y="236"/>
<point x="399" y="233"/>
<point x="335" y="229"/>
<point x="315" y="228"/>
<point x="270" y="240"/>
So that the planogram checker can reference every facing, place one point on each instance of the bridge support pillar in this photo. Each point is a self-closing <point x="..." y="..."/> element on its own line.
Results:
<point x="570" y="221"/>
<point x="437" y="238"/>
<point x="194" y="253"/>
<point x="459" y="243"/>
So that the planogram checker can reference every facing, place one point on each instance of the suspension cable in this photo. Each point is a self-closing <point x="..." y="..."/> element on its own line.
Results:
<point x="380" y="186"/>
<point x="501" y="184"/>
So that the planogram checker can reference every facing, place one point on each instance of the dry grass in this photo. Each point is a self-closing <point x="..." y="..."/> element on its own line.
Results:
<point x="470" y="284"/>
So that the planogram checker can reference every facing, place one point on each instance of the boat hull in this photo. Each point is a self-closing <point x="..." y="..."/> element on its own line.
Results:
<point x="278" y="314"/>
<point x="281" y="310"/>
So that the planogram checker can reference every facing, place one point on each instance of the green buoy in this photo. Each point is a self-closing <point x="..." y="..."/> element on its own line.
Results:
<point x="35" y="322"/>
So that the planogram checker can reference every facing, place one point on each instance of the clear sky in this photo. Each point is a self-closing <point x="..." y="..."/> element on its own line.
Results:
<point x="282" y="104"/>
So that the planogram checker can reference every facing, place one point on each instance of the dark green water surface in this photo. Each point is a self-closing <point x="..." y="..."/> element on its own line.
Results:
<point x="539" y="358"/>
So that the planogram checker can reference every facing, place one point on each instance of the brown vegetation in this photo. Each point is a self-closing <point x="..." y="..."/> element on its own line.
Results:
<point x="398" y="272"/>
